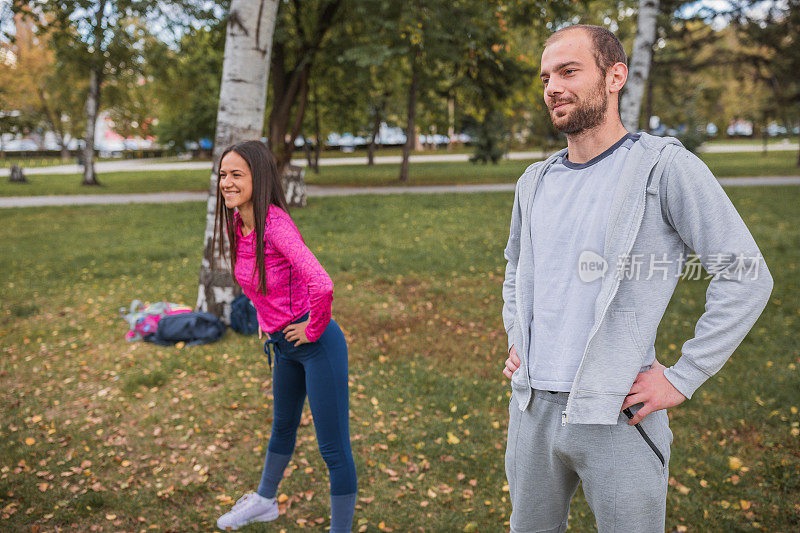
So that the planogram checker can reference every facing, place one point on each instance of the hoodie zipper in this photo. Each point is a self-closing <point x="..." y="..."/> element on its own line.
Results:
<point x="613" y="291"/>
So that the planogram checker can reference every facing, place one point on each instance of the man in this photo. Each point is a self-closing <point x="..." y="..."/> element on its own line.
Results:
<point x="600" y="233"/>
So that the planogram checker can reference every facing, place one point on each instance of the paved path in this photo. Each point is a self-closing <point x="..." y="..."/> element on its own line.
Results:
<point x="136" y="165"/>
<point x="315" y="191"/>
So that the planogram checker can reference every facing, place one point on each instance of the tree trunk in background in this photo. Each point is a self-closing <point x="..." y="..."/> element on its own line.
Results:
<point x="240" y="117"/>
<point x="92" y="105"/>
<point x="451" y="120"/>
<point x="294" y="186"/>
<point x="16" y="175"/>
<point x="376" y="127"/>
<point x="54" y="118"/>
<point x="631" y="104"/>
<point x="290" y="82"/>
<point x="307" y="151"/>
<point x="411" y="130"/>
<point x="317" y="132"/>
<point x="649" y="108"/>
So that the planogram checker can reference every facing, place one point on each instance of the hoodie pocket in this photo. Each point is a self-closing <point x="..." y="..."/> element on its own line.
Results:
<point x="615" y="355"/>
<point x="629" y="316"/>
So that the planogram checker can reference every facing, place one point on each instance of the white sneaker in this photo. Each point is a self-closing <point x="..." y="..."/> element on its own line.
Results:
<point x="252" y="507"/>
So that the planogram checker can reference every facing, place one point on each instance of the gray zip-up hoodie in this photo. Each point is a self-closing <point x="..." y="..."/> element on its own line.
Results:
<point x="666" y="203"/>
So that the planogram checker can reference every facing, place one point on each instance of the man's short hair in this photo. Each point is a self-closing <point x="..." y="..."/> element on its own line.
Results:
<point x="607" y="48"/>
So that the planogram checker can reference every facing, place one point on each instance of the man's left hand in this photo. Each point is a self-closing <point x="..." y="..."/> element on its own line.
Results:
<point x="654" y="390"/>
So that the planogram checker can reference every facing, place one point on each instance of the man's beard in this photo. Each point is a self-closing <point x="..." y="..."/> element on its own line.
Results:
<point x="586" y="115"/>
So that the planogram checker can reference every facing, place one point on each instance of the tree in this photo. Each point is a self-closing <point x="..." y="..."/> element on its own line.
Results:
<point x="773" y="50"/>
<point x="29" y="82"/>
<point x="299" y="38"/>
<point x="630" y="106"/>
<point x="101" y="39"/>
<point x="187" y="96"/>
<point x="240" y="116"/>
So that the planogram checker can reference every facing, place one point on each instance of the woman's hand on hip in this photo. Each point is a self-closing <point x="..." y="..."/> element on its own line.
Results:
<point x="296" y="333"/>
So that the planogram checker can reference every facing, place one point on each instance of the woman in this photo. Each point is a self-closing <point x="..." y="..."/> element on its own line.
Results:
<point x="292" y="294"/>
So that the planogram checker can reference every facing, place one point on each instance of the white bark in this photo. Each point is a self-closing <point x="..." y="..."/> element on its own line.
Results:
<point x="631" y="104"/>
<point x="92" y="106"/>
<point x="240" y="117"/>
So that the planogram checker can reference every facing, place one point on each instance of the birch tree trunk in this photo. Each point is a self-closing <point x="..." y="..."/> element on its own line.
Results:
<point x="92" y="106"/>
<point x="631" y="104"/>
<point x="240" y="117"/>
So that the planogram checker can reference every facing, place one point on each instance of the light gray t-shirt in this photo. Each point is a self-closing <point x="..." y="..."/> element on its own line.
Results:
<point x="568" y="217"/>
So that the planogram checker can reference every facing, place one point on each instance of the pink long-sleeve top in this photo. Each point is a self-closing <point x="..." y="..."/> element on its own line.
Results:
<point x="296" y="282"/>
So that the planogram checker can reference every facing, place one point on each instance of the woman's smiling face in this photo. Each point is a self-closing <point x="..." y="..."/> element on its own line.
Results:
<point x="235" y="181"/>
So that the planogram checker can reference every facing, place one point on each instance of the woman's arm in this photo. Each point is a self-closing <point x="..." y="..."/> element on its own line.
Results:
<point x="286" y="239"/>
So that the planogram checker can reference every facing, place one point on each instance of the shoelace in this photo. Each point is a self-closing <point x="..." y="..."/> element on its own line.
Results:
<point x="241" y="501"/>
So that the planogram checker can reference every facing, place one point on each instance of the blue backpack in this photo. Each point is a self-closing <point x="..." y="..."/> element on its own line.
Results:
<point x="192" y="328"/>
<point x="243" y="315"/>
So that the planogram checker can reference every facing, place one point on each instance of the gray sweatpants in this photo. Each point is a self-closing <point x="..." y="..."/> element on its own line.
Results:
<point x="623" y="478"/>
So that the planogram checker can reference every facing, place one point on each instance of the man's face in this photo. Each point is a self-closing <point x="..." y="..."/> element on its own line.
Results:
<point x="574" y="87"/>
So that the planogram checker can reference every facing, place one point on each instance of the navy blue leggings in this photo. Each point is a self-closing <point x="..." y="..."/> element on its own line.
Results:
<point x="319" y="370"/>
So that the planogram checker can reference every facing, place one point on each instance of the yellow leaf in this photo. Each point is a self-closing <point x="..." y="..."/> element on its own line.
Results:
<point x="744" y="504"/>
<point x="30" y="441"/>
<point x="734" y="463"/>
<point x="282" y="498"/>
<point x="452" y="439"/>
<point x="43" y="486"/>
<point x="111" y="517"/>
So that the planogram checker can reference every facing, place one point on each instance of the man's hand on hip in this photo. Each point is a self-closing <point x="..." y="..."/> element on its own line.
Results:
<point x="652" y="389"/>
<point x="512" y="363"/>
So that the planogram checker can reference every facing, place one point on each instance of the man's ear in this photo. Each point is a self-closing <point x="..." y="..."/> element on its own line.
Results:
<point x="617" y="75"/>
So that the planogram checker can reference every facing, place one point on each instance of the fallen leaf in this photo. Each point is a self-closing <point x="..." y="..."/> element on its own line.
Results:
<point x="734" y="463"/>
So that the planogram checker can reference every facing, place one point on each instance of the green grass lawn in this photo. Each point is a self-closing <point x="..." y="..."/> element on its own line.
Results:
<point x="134" y="437"/>
<point x="755" y="141"/>
<point x="110" y="183"/>
<point x="723" y="165"/>
<point x="39" y="162"/>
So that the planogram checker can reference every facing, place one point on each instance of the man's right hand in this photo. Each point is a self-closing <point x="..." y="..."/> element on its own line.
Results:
<point x="512" y="363"/>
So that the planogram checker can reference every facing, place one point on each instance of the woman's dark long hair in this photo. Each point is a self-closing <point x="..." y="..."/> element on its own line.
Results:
<point x="267" y="191"/>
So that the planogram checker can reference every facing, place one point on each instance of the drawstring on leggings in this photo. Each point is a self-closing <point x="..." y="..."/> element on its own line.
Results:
<point x="274" y="344"/>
